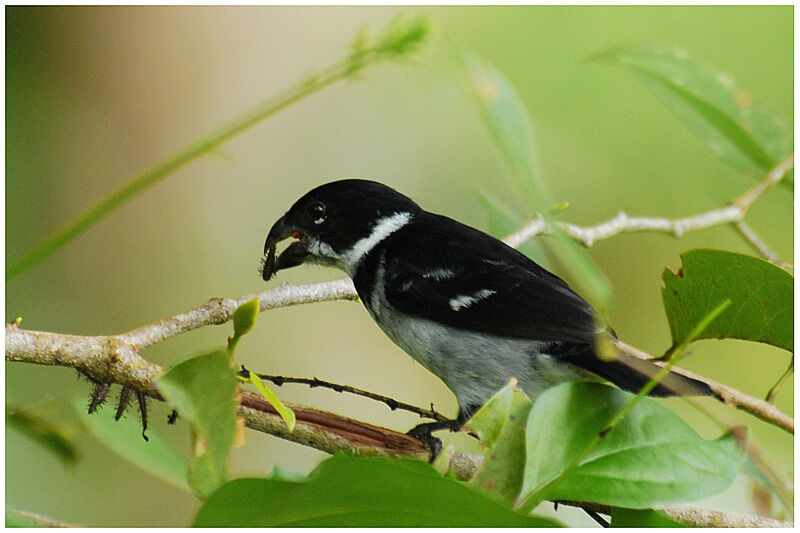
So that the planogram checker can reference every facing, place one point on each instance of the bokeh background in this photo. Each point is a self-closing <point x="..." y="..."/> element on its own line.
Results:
<point x="96" y="95"/>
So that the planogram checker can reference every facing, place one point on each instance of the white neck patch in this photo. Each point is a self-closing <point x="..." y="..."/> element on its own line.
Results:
<point x="383" y="228"/>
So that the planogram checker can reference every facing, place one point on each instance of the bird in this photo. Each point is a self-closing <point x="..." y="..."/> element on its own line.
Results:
<point x="469" y="308"/>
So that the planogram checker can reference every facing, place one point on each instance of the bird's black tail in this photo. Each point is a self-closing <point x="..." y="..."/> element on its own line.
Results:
<point x="631" y="373"/>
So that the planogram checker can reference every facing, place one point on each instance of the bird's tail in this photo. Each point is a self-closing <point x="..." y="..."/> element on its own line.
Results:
<point x="631" y="373"/>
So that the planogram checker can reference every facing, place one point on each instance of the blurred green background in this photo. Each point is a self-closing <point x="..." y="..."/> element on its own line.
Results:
<point x="96" y="95"/>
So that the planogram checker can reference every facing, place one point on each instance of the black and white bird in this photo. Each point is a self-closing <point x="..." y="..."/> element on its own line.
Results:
<point x="466" y="306"/>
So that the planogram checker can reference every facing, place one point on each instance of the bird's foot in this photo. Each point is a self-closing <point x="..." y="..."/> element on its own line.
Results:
<point x="423" y="432"/>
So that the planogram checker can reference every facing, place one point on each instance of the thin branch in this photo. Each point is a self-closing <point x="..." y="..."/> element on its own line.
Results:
<point x="314" y="382"/>
<point x="730" y="396"/>
<point x="753" y="239"/>
<point x="111" y="359"/>
<point x="732" y="213"/>
<point x="39" y="520"/>
<point x="694" y="516"/>
<point x="219" y="310"/>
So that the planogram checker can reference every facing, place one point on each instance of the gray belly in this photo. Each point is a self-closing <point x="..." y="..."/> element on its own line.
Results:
<point x="473" y="366"/>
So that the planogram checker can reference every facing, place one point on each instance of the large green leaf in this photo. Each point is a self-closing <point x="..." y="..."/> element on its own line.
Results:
<point x="721" y="114"/>
<point x="359" y="492"/>
<point x="500" y="426"/>
<point x="124" y="437"/>
<point x="650" y="458"/>
<point x="202" y="390"/>
<point x="761" y="295"/>
<point x="511" y="128"/>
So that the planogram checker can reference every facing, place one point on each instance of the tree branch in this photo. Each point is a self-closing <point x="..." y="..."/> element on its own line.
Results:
<point x="732" y="213"/>
<point x="730" y="396"/>
<point x="113" y="359"/>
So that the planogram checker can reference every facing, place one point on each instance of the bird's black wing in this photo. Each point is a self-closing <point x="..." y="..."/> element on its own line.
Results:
<point x="439" y="269"/>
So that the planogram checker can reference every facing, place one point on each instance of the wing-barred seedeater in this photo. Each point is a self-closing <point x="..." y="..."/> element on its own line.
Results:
<point x="466" y="306"/>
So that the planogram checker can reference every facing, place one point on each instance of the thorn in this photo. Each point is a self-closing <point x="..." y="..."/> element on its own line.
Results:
<point x="98" y="396"/>
<point x="173" y="416"/>
<point x="143" y="411"/>
<point x="124" y="400"/>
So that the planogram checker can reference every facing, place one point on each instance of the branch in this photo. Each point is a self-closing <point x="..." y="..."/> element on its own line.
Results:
<point x="730" y="396"/>
<point x="314" y="382"/>
<point x="732" y="213"/>
<point x="112" y="359"/>
<point x="694" y="516"/>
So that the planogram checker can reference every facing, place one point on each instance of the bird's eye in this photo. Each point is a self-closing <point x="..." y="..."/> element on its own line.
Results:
<point x="316" y="212"/>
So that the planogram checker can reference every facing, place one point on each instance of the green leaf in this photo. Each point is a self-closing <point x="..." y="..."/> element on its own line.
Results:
<point x="761" y="295"/>
<point x="744" y="134"/>
<point x="359" y="492"/>
<point x="202" y="390"/>
<point x="500" y="426"/>
<point x="651" y="458"/>
<point x="621" y="517"/>
<point x="50" y="436"/>
<point x="244" y="318"/>
<point x="512" y="130"/>
<point x="124" y="437"/>
<point x="286" y="413"/>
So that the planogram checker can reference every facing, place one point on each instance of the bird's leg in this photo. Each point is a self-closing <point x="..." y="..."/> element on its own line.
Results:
<point x="423" y="431"/>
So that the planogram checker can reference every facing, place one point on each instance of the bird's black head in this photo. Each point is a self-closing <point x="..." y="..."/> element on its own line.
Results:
<point x="336" y="224"/>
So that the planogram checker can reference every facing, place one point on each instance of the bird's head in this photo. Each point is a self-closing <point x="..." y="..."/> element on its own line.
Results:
<point x="336" y="224"/>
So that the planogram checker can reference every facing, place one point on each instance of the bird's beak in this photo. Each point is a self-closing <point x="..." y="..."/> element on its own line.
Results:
<point x="294" y="255"/>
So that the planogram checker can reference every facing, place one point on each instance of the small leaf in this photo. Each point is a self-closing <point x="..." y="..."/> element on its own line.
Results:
<point x="500" y="426"/>
<point x="744" y="134"/>
<point x="50" y="436"/>
<point x="244" y="318"/>
<point x="286" y="413"/>
<point x="621" y="517"/>
<point x="651" y="458"/>
<point x="761" y="295"/>
<point x="202" y="390"/>
<point x="359" y="492"/>
<point x="124" y="438"/>
<point x="512" y="130"/>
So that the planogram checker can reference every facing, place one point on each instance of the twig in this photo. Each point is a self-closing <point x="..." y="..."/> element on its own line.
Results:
<point x="110" y="359"/>
<point x="732" y="213"/>
<point x="39" y="520"/>
<point x="314" y="382"/>
<point x="694" y="516"/>
<point x="730" y="396"/>
<point x="751" y="237"/>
